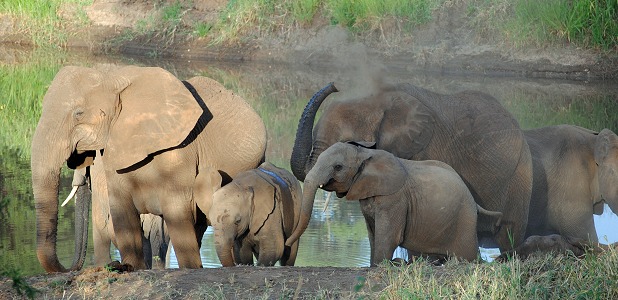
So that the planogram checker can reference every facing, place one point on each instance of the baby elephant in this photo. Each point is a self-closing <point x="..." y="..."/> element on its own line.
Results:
<point x="422" y="206"/>
<point x="255" y="214"/>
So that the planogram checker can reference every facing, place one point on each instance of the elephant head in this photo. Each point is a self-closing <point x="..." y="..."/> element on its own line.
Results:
<point x="353" y="171"/>
<point x="244" y="207"/>
<point x="130" y="112"/>
<point x="606" y="158"/>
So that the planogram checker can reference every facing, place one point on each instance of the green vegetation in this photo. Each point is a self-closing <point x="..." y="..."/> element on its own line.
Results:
<point x="249" y="18"/>
<point x="42" y="19"/>
<point x="540" y="277"/>
<point x="586" y="23"/>
<point x="23" y="87"/>
<point x="19" y="283"/>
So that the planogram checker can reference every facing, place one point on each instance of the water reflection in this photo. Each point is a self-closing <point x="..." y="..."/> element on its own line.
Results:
<point x="336" y="237"/>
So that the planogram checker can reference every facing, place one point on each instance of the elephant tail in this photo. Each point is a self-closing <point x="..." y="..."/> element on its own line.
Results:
<point x="496" y="214"/>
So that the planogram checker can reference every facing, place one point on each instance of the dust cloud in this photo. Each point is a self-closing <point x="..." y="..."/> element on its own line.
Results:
<point x="362" y="72"/>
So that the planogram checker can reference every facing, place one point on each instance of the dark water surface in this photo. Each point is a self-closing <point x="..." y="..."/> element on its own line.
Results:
<point x="336" y="236"/>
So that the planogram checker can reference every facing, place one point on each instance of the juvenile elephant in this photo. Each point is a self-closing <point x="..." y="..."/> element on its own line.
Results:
<point x="255" y="214"/>
<point x="422" y="206"/>
<point x="166" y="145"/>
<point x="470" y="131"/>
<point x="575" y="174"/>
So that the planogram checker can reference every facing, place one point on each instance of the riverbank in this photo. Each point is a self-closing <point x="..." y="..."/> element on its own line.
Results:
<point x="453" y="40"/>
<point x="540" y="277"/>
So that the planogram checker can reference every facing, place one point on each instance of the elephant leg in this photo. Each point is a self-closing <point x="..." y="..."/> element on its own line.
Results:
<point x="147" y="250"/>
<point x="243" y="253"/>
<point x="271" y="250"/>
<point x="182" y="235"/>
<point x="515" y="219"/>
<point x="371" y="235"/>
<point x="102" y="231"/>
<point x="387" y="240"/>
<point x="289" y="254"/>
<point x="155" y="242"/>
<point x="128" y="233"/>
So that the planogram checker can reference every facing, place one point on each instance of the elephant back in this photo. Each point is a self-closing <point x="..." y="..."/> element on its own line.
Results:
<point x="288" y="194"/>
<point x="236" y="134"/>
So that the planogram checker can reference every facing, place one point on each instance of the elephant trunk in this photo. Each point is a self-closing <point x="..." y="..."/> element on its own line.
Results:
<point x="225" y="248"/>
<point x="46" y="162"/>
<point x="82" y="218"/>
<point x="303" y="140"/>
<point x="309" y="191"/>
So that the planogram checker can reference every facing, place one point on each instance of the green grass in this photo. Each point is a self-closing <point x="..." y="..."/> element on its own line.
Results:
<point x="41" y="19"/>
<point x="23" y="87"/>
<point x="244" y="19"/>
<point x="540" y="277"/>
<point x="370" y="14"/>
<point x="19" y="283"/>
<point x="585" y="23"/>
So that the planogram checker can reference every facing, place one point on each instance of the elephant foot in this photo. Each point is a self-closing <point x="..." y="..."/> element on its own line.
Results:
<point x="116" y="266"/>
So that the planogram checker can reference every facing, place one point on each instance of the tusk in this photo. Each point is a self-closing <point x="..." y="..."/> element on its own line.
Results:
<point x="321" y="185"/>
<point x="327" y="201"/>
<point x="73" y="191"/>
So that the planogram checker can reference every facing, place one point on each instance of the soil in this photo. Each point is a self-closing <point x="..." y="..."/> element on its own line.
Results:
<point x="219" y="283"/>
<point x="448" y="44"/>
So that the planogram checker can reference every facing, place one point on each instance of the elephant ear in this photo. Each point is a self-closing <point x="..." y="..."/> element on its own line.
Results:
<point x="264" y="199"/>
<point x="380" y="173"/>
<point x="606" y="143"/>
<point x="207" y="181"/>
<point x="157" y="112"/>
<point x="406" y="127"/>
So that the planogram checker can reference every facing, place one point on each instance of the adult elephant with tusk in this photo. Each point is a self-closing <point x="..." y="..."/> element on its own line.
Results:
<point x="470" y="131"/>
<point x="166" y="146"/>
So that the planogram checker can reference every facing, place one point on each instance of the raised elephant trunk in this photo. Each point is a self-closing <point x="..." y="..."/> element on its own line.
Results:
<point x="309" y="190"/>
<point x="46" y="163"/>
<point x="303" y="141"/>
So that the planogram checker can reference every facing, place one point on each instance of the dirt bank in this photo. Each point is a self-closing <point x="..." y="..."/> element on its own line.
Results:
<point x="447" y="44"/>
<point x="222" y="283"/>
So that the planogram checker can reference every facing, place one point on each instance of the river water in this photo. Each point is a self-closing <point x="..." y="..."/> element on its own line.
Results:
<point x="336" y="236"/>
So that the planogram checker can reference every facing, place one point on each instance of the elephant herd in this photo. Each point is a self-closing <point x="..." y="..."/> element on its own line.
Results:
<point x="162" y="159"/>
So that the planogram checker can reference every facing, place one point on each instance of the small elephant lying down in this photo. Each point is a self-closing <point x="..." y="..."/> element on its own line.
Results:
<point x="255" y="214"/>
<point x="555" y="244"/>
<point x="422" y="206"/>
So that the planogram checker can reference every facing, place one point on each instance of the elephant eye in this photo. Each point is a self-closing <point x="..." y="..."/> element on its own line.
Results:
<point x="338" y="167"/>
<point x="78" y="114"/>
<point x="237" y="221"/>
